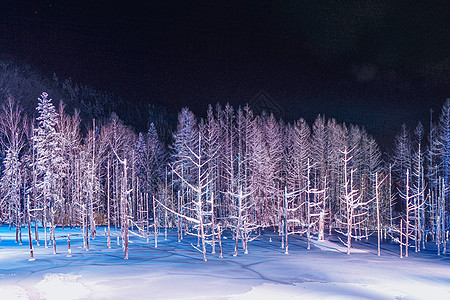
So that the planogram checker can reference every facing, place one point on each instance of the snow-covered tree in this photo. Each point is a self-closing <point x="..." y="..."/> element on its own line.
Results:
<point x="273" y="134"/>
<point x="298" y="153"/>
<point x="355" y="209"/>
<point x="150" y="160"/>
<point x="198" y="206"/>
<point x="48" y="157"/>
<point x="337" y="136"/>
<point x="258" y="163"/>
<point x="13" y="128"/>
<point x="418" y="182"/>
<point x="444" y="138"/>
<point x="401" y="158"/>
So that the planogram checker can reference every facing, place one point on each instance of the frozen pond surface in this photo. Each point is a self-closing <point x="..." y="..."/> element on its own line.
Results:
<point x="176" y="270"/>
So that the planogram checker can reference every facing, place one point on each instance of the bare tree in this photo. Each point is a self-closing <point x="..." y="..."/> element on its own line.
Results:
<point x="378" y="184"/>
<point x="412" y="205"/>
<point x="355" y="208"/>
<point x="289" y="210"/>
<point x="198" y="205"/>
<point x="12" y="129"/>
<point x="243" y="225"/>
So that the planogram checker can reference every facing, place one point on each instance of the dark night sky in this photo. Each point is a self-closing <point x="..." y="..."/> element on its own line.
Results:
<point x="373" y="63"/>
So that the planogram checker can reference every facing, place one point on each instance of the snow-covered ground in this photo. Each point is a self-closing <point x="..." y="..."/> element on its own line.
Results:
<point x="176" y="270"/>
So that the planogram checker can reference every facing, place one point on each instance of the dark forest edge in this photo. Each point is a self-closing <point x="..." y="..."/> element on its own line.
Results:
<point x="83" y="165"/>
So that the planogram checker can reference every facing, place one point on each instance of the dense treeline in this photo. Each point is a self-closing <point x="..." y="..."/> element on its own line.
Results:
<point x="232" y="170"/>
<point x="26" y="84"/>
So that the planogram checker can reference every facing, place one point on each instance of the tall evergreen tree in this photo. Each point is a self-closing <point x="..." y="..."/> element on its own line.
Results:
<point x="401" y="158"/>
<point x="48" y="156"/>
<point x="444" y="138"/>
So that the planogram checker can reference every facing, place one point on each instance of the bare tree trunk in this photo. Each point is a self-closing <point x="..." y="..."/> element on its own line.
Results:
<point x="202" y="232"/>
<point x="29" y="230"/>
<point x="349" y="209"/>
<point x="213" y="242"/>
<point x="401" y="238"/>
<point x="219" y="232"/>
<point x="444" y="238"/>
<point x="286" y="242"/>
<point x="108" y="205"/>
<point x="91" y="198"/>
<point x="87" y="229"/>
<point x="322" y="214"/>
<point x="308" y="207"/>
<point x="19" y="225"/>
<point x="83" y="226"/>
<point x="125" y="213"/>
<point x="155" y="225"/>
<point x="178" y="217"/>
<point x="378" y="213"/>
<point x="245" y="239"/>
<point x="329" y="212"/>
<point x="147" y="211"/>
<point x="69" y="251"/>
<point x="416" y="208"/>
<point x="45" y="222"/>
<point x="407" y="214"/>
<point x="199" y="201"/>
<point x="36" y="232"/>
<point x="238" y="226"/>
<point x="321" y="226"/>
<point x="63" y="206"/>
<point x="54" y="237"/>
<point x="126" y="238"/>
<point x="390" y="195"/>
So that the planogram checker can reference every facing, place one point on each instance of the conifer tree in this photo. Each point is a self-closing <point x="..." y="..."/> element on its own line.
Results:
<point x="48" y="156"/>
<point x="401" y="158"/>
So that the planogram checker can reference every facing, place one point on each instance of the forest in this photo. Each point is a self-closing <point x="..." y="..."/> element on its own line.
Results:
<point x="79" y="161"/>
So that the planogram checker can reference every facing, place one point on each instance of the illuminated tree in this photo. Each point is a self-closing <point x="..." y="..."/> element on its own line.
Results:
<point x="13" y="128"/>
<point x="48" y="156"/>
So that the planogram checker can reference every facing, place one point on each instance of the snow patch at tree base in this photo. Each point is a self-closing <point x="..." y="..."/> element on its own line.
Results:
<point x="336" y="247"/>
<point x="60" y="286"/>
